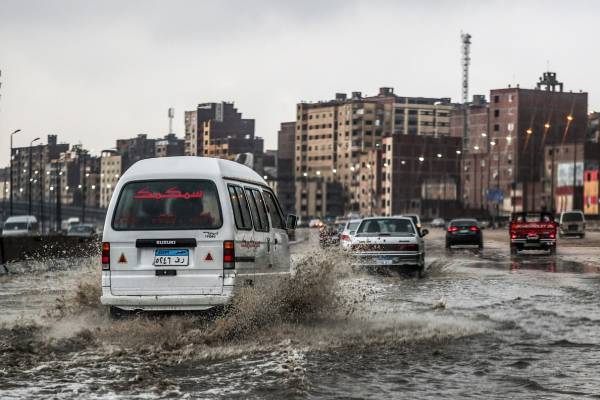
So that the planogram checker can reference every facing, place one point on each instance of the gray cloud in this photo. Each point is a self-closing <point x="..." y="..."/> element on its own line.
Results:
<point x="97" y="71"/>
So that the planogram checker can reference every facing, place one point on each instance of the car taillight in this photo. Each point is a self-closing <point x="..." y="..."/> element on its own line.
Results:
<point x="228" y="254"/>
<point x="552" y="235"/>
<point x="345" y="237"/>
<point x="452" y="229"/>
<point x="474" y="229"/>
<point x="513" y="235"/>
<point x="105" y="256"/>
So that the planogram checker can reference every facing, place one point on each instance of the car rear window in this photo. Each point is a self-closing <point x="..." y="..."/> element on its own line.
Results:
<point x="168" y="205"/>
<point x="572" y="217"/>
<point x="352" y="226"/>
<point x="386" y="226"/>
<point x="13" y="226"/>
<point x="464" y="222"/>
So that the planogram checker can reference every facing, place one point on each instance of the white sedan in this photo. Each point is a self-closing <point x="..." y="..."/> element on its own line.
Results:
<point x="389" y="242"/>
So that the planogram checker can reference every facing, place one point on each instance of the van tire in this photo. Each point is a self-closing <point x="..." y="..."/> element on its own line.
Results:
<point x="116" y="312"/>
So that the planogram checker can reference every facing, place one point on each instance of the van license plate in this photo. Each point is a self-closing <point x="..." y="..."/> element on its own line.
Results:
<point x="171" y="257"/>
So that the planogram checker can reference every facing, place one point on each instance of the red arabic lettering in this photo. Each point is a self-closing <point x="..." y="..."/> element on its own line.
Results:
<point x="172" y="193"/>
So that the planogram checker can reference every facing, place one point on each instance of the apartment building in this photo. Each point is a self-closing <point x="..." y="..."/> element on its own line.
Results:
<point x="169" y="146"/>
<point x="333" y="137"/>
<point x="218" y="130"/>
<point x="420" y="174"/>
<point x="111" y="168"/>
<point x="286" y="187"/>
<point x="38" y="156"/>
<point x="522" y="123"/>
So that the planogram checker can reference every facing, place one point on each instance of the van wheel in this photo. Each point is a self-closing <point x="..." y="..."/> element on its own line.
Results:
<point x="421" y="272"/>
<point x="116" y="312"/>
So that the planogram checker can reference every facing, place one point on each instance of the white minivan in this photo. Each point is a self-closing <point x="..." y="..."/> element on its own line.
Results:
<point x="182" y="232"/>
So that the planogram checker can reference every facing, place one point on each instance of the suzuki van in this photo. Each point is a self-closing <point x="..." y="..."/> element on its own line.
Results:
<point x="181" y="233"/>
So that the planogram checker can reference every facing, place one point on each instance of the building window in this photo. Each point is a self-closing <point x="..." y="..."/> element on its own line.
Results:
<point x="496" y="113"/>
<point x="496" y="99"/>
<point x="496" y="127"/>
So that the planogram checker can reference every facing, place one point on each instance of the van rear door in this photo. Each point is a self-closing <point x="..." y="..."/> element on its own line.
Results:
<point x="165" y="239"/>
<point x="280" y="254"/>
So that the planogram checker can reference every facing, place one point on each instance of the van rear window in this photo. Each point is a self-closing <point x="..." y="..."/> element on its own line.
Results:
<point x="168" y="205"/>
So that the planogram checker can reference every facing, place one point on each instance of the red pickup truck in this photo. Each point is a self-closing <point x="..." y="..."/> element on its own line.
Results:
<point x="533" y="231"/>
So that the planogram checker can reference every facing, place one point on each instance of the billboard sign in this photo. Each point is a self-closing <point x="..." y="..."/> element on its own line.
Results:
<point x="565" y="174"/>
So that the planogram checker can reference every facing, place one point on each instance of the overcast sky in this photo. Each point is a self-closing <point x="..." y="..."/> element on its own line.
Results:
<point x="95" y="71"/>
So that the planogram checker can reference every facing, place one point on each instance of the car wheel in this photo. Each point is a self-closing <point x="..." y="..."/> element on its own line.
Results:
<point x="480" y="245"/>
<point x="552" y="250"/>
<point x="514" y="250"/>
<point x="582" y="236"/>
<point x="448" y="245"/>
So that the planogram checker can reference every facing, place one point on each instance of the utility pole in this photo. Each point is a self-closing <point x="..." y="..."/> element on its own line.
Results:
<point x="30" y="178"/>
<point x="58" y="190"/>
<point x="11" y="170"/>
<point x="83" y="187"/>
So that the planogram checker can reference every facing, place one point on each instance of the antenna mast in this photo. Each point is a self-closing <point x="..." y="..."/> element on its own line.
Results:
<point x="466" y="61"/>
<point x="171" y="115"/>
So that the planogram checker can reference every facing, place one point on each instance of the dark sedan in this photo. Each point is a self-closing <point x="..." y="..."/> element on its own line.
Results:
<point x="464" y="232"/>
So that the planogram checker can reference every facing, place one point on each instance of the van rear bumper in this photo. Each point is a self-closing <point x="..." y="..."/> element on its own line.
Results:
<point x="166" y="302"/>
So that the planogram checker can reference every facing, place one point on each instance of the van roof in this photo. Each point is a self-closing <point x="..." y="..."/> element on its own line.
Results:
<point x="22" y="218"/>
<point x="190" y="167"/>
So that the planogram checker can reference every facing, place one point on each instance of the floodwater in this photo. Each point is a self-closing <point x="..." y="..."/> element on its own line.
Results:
<point x="479" y="325"/>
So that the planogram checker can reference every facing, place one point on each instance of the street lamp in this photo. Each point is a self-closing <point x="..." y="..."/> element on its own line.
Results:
<point x="11" y="169"/>
<point x="29" y="187"/>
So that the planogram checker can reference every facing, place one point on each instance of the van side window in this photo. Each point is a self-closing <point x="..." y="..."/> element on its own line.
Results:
<point x="259" y="223"/>
<point x="262" y="209"/>
<point x="274" y="211"/>
<point x="241" y="213"/>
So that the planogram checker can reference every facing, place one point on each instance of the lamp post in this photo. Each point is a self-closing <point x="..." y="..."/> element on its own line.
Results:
<point x="41" y="178"/>
<point x="569" y="120"/>
<point x="11" y="169"/>
<point x="30" y="178"/>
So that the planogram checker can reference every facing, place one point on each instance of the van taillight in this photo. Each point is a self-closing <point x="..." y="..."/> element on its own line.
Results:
<point x="106" y="256"/>
<point x="228" y="254"/>
<point x="345" y="237"/>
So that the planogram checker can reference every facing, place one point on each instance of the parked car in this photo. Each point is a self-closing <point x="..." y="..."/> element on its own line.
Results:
<point x="415" y="219"/>
<point x="464" y="231"/>
<point x="348" y="232"/>
<point x="82" y="230"/>
<point x="315" y="223"/>
<point x="532" y="231"/>
<point x="182" y="232"/>
<point x="572" y="223"/>
<point x="21" y="225"/>
<point x="389" y="242"/>
<point x="438" y="223"/>
<point x="68" y="223"/>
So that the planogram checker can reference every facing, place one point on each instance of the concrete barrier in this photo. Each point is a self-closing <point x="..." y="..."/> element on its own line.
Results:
<point x="49" y="246"/>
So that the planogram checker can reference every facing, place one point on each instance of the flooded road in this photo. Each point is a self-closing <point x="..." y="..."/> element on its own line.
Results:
<point x="479" y="325"/>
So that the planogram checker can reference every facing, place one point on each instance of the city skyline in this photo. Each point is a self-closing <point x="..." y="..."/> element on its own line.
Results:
<point x="98" y="72"/>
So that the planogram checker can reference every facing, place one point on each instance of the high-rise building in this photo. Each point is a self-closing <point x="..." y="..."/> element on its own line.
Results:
<point x="333" y="136"/>
<point x="218" y="130"/>
<point x="169" y="146"/>
<point x="285" y="166"/>
<point x="39" y="156"/>
<point x="136" y="149"/>
<point x="522" y="123"/>
<point x="420" y="174"/>
<point x="111" y="168"/>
